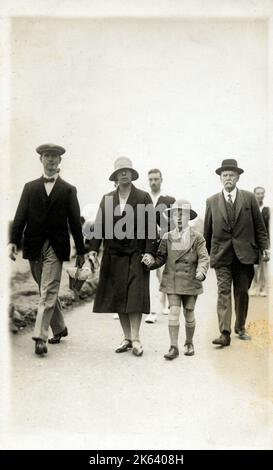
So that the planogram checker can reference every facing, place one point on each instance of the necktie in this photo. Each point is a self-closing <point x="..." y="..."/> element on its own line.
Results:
<point x="48" y="180"/>
<point x="230" y="199"/>
<point x="230" y="210"/>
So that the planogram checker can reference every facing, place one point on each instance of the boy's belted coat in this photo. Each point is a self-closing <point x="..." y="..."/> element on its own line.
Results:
<point x="181" y="265"/>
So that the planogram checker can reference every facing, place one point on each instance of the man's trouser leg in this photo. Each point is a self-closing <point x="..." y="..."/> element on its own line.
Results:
<point x="224" y="305"/>
<point x="47" y="271"/>
<point x="242" y="278"/>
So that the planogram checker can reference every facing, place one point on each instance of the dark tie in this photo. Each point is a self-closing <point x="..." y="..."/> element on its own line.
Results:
<point x="230" y="210"/>
<point x="230" y="199"/>
<point x="48" y="180"/>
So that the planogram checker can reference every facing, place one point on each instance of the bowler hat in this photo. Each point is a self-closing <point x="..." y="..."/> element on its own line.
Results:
<point x="229" y="165"/>
<point x="50" y="148"/>
<point x="184" y="205"/>
<point x="123" y="163"/>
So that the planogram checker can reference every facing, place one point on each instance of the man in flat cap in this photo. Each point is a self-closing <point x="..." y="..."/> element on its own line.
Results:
<point x="235" y="233"/>
<point x="46" y="208"/>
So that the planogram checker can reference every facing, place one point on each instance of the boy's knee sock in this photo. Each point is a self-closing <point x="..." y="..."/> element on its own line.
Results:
<point x="189" y="325"/>
<point x="174" y="332"/>
<point x="174" y="325"/>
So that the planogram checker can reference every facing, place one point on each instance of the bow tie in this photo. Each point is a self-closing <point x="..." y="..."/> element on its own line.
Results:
<point x="48" y="180"/>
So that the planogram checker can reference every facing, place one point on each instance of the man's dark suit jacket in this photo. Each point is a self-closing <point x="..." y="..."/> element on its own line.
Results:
<point x="266" y="217"/>
<point x="164" y="223"/>
<point x="247" y="236"/>
<point x="40" y="217"/>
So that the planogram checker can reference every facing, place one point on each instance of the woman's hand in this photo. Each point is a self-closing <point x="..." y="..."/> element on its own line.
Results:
<point x="148" y="259"/>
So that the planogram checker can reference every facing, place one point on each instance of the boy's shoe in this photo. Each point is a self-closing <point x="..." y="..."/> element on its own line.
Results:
<point x="188" y="349"/>
<point x="172" y="353"/>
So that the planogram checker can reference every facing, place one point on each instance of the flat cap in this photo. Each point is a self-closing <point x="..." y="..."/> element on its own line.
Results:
<point x="50" y="147"/>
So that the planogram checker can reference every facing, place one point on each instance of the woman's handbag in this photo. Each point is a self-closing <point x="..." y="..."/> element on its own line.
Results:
<point x="77" y="277"/>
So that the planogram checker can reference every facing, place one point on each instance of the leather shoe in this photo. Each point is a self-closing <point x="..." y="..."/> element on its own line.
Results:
<point x="172" y="353"/>
<point x="124" y="346"/>
<point x="137" y="348"/>
<point x="151" y="318"/>
<point x="244" y="336"/>
<point x="223" y="340"/>
<point x="40" y="347"/>
<point x="189" y="349"/>
<point x="57" y="338"/>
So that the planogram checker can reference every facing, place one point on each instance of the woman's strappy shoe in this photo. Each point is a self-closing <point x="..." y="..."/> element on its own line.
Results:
<point x="137" y="348"/>
<point x="124" y="346"/>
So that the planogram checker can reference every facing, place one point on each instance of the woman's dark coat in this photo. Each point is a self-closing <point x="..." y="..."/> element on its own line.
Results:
<point x="124" y="280"/>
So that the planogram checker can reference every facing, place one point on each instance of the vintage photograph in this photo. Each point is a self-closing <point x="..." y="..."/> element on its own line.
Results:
<point x="136" y="210"/>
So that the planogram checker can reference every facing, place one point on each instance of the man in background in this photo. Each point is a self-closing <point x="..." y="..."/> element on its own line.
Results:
<point x="259" y="284"/>
<point x="161" y="202"/>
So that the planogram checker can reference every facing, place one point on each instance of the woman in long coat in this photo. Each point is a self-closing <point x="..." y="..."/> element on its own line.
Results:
<point x="124" y="281"/>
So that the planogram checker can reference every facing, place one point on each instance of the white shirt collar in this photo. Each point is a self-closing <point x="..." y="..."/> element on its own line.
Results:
<point x="183" y="232"/>
<point x="155" y="197"/>
<point x="55" y="176"/>
<point x="232" y="193"/>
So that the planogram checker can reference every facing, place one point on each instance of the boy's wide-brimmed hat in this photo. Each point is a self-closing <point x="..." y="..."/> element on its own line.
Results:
<point x="184" y="205"/>
<point x="229" y="165"/>
<point x="123" y="163"/>
<point x="50" y="148"/>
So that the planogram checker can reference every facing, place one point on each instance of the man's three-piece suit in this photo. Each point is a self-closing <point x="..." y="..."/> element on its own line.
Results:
<point x="234" y="233"/>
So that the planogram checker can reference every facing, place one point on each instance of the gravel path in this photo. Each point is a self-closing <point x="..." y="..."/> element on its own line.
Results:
<point x="83" y="395"/>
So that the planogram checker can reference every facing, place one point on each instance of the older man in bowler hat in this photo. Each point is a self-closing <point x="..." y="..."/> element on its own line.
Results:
<point x="235" y="233"/>
<point x="46" y="208"/>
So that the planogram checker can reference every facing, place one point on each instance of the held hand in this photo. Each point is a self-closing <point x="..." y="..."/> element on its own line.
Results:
<point x="148" y="259"/>
<point x="80" y="260"/>
<point x="266" y="255"/>
<point x="199" y="276"/>
<point x="12" y="251"/>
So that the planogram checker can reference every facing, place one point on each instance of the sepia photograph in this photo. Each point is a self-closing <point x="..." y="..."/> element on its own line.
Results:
<point x="136" y="217"/>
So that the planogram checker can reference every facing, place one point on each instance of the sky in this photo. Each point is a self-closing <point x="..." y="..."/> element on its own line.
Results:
<point x="180" y="95"/>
